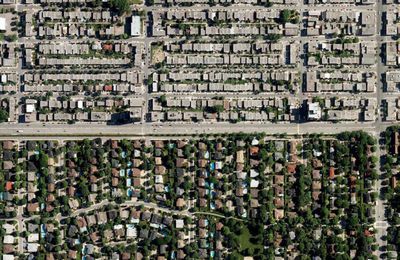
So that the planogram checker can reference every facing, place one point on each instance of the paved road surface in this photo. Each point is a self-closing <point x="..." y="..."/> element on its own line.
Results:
<point x="29" y="130"/>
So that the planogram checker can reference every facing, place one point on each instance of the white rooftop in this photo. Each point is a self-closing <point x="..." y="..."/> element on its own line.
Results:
<point x="179" y="223"/>
<point x="30" y="108"/>
<point x="32" y="247"/>
<point x="33" y="237"/>
<point x="2" y="24"/>
<point x="314" y="111"/>
<point x="136" y="26"/>
<point x="8" y="239"/>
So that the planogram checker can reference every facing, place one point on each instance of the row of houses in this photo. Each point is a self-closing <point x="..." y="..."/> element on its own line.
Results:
<point x="63" y="1"/>
<point x="78" y="48"/>
<point x="77" y="15"/>
<point x="390" y="21"/>
<point x="28" y="26"/>
<point x="116" y="87"/>
<point x="169" y="23"/>
<point x="6" y="77"/>
<point x="43" y="61"/>
<point x="392" y="109"/>
<point x="105" y="117"/>
<point x="221" y="81"/>
<point x="345" y="22"/>
<point x="363" y="53"/>
<point x="80" y="22"/>
<point x="287" y="29"/>
<point x="133" y="77"/>
<point x="249" y="109"/>
<point x="81" y="103"/>
<point x="218" y="87"/>
<point x="344" y="2"/>
<point x="56" y="110"/>
<point x="343" y="109"/>
<point x="337" y="81"/>
<point x="78" y="30"/>
<point x="392" y="54"/>
<point x="179" y="116"/>
<point x="225" y="75"/>
<point x="392" y="81"/>
<point x="8" y="55"/>
<point x="257" y="47"/>
<point x="226" y="59"/>
<point x="249" y="15"/>
<point x="228" y="104"/>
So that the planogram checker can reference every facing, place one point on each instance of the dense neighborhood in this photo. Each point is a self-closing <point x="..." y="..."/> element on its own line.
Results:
<point x="223" y="197"/>
<point x="199" y="129"/>
<point x="123" y="62"/>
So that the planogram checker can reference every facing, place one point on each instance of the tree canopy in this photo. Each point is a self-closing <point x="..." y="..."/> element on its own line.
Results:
<point x="121" y="6"/>
<point x="3" y="115"/>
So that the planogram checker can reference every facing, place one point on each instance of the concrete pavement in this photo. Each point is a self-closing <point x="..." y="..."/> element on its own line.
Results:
<point x="28" y="131"/>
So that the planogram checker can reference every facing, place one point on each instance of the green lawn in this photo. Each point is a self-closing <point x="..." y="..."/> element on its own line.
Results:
<point x="246" y="243"/>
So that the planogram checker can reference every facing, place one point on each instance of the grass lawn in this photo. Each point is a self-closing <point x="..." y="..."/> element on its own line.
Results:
<point x="246" y="241"/>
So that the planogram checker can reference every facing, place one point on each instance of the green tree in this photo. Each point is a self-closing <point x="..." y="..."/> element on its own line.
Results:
<point x="163" y="100"/>
<point x="285" y="16"/>
<point x="219" y="108"/>
<point x="121" y="6"/>
<point x="12" y="38"/>
<point x="83" y="187"/>
<point x="3" y="115"/>
<point x="43" y="160"/>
